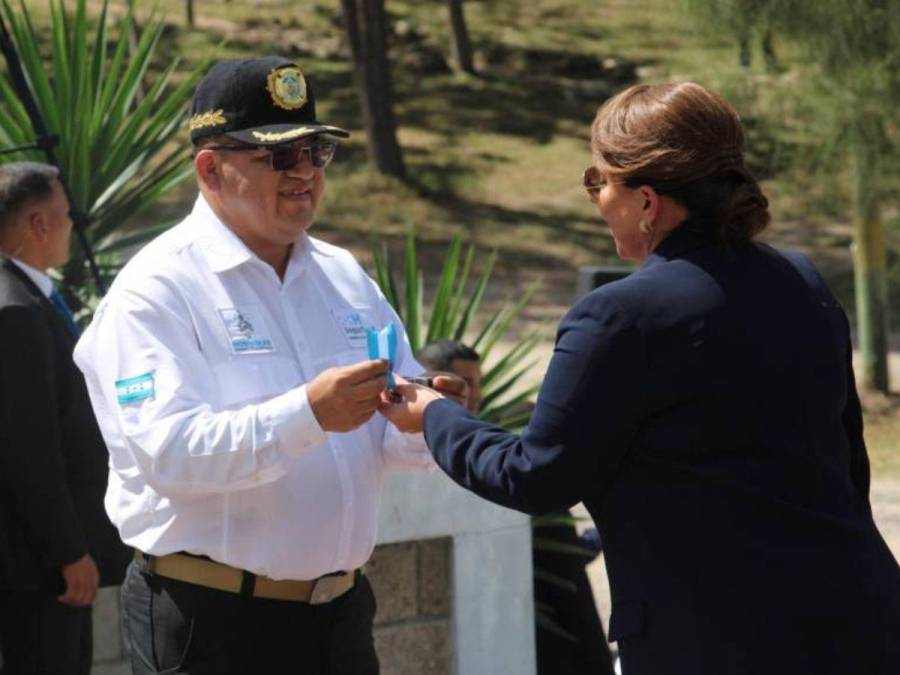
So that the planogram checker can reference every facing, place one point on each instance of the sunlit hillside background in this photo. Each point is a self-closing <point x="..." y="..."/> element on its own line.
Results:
<point x="497" y="156"/>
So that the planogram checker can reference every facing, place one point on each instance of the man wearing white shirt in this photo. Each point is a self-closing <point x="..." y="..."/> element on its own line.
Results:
<point x="56" y="543"/>
<point x="229" y="373"/>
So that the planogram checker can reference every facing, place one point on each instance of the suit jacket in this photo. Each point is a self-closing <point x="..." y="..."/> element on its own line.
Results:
<point x="53" y="462"/>
<point x="704" y="410"/>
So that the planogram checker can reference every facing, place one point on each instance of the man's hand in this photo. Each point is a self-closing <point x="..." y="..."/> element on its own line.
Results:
<point x="82" y="579"/>
<point x="344" y="398"/>
<point x="406" y="408"/>
<point x="452" y="386"/>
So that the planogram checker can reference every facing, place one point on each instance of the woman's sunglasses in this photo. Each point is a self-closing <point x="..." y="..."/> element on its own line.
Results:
<point x="286" y="157"/>
<point x="593" y="182"/>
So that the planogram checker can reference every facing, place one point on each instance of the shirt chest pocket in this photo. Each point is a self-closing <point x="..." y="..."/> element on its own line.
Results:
<point x="348" y="330"/>
<point x="252" y="379"/>
<point x="346" y="357"/>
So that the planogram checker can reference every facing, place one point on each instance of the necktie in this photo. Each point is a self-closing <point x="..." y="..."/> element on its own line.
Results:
<point x="60" y="304"/>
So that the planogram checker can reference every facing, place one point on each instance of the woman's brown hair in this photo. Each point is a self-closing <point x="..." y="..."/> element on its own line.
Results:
<point x="685" y="142"/>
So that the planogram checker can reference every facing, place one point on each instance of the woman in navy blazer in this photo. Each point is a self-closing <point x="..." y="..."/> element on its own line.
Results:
<point x="705" y="412"/>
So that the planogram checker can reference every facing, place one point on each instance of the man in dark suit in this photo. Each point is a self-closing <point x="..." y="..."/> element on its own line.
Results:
<point x="56" y="543"/>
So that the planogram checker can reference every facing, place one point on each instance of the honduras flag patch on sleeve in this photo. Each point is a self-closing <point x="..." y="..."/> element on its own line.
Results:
<point x="135" y="389"/>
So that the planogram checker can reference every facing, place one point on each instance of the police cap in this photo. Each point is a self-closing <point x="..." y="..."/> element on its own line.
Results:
<point x="263" y="101"/>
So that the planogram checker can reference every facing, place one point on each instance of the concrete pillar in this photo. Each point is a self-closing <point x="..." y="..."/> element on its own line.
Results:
<point x="492" y="599"/>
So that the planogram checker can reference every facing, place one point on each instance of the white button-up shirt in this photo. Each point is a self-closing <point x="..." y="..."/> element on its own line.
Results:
<point x="197" y="362"/>
<point x="40" y="279"/>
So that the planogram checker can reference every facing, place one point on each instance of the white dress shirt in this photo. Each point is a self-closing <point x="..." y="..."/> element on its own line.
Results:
<point x="40" y="279"/>
<point x="197" y="362"/>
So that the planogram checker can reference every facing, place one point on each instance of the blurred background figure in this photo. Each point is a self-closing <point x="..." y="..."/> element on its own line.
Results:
<point x="452" y="356"/>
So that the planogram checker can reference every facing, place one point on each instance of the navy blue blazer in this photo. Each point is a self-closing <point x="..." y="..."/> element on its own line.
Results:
<point x="705" y="412"/>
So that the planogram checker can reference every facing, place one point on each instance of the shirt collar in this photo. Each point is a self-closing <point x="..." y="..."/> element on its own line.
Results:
<point x="40" y="279"/>
<point x="680" y="241"/>
<point x="224" y="250"/>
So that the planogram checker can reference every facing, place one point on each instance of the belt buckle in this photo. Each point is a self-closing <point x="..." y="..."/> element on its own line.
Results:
<point x="326" y="589"/>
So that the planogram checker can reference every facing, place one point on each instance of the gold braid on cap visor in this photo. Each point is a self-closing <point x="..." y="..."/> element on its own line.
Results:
<point x="268" y="137"/>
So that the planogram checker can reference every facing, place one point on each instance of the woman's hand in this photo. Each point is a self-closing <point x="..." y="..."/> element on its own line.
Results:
<point x="405" y="405"/>
<point x="452" y="386"/>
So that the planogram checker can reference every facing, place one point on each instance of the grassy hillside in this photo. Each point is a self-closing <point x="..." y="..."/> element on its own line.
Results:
<point x="499" y="156"/>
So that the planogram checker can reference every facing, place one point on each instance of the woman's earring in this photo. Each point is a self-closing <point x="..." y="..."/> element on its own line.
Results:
<point x="644" y="227"/>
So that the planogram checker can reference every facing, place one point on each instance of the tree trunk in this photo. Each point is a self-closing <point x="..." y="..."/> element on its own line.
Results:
<point x="189" y="9"/>
<point x="367" y="33"/>
<point x="744" y="53"/>
<point x="768" y="50"/>
<point x="869" y="258"/>
<point x="459" y="37"/>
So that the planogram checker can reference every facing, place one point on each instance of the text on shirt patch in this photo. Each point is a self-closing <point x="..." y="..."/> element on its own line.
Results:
<point x="135" y="389"/>
<point x="246" y="330"/>
<point x="354" y="325"/>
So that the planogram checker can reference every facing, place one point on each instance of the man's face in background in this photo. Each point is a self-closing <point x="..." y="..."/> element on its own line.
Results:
<point x="470" y="371"/>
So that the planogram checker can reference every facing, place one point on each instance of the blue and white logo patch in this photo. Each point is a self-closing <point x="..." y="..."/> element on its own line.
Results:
<point x="135" y="389"/>
<point x="353" y="323"/>
<point x="247" y="331"/>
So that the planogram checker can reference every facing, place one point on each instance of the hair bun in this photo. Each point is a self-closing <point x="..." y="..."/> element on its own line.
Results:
<point x="746" y="212"/>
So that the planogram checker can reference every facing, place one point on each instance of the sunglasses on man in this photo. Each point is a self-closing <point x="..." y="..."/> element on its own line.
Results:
<point x="287" y="157"/>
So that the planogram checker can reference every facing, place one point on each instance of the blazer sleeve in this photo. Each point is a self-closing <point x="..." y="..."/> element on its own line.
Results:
<point x="585" y="421"/>
<point x="31" y="461"/>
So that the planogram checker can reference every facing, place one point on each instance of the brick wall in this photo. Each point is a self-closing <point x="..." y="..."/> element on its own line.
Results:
<point x="411" y="581"/>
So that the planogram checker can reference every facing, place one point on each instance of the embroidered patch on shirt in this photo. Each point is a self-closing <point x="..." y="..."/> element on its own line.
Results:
<point x="135" y="389"/>
<point x="247" y="330"/>
<point x="353" y="323"/>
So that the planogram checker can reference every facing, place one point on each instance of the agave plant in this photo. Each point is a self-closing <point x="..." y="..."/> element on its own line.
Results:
<point x="118" y="149"/>
<point x="546" y="537"/>
<point x="455" y="303"/>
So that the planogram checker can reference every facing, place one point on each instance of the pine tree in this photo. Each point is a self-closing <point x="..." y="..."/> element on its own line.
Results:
<point x="459" y="37"/>
<point x="856" y="43"/>
<point x="366" y="25"/>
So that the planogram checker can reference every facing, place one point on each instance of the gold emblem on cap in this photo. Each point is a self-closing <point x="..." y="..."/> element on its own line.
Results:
<point x="287" y="87"/>
<point x="211" y="118"/>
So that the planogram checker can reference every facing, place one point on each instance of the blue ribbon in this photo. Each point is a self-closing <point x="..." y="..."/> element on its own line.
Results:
<point x="382" y="344"/>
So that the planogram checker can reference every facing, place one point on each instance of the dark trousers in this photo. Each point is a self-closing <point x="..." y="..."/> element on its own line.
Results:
<point x="580" y="649"/>
<point x="41" y="636"/>
<point x="175" y="627"/>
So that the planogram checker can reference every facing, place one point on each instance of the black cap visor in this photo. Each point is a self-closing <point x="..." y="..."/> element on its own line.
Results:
<point x="276" y="134"/>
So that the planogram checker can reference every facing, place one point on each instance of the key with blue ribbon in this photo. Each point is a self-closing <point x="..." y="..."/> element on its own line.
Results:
<point x="382" y="344"/>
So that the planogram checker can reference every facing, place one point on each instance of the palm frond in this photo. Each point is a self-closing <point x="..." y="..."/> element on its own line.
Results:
<point x="109" y="151"/>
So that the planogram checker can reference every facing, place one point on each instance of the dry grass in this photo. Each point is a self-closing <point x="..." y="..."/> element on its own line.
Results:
<point x="882" y="433"/>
